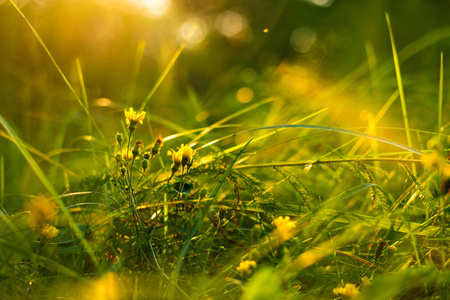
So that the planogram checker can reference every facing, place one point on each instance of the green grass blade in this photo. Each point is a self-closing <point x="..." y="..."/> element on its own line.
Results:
<point x="46" y="183"/>
<point x="232" y="116"/>
<point x="40" y="154"/>
<point x="205" y="209"/>
<point x="38" y="37"/>
<point x="441" y="93"/>
<point x="168" y="68"/>
<point x="137" y="62"/>
<point x="399" y="82"/>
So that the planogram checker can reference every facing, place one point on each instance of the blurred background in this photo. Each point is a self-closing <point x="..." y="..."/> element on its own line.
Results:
<point x="307" y="54"/>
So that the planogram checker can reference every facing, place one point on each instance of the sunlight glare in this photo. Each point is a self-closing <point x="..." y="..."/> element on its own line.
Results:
<point x="156" y="8"/>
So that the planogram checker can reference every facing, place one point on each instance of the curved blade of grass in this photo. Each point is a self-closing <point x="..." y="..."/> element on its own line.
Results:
<point x="38" y="153"/>
<point x="206" y="208"/>
<point x="346" y="131"/>
<point x="266" y="135"/>
<point x="399" y="82"/>
<point x="232" y="116"/>
<point x="44" y="180"/>
<point x="319" y="161"/>
<point x="38" y="37"/>
<point x="168" y="68"/>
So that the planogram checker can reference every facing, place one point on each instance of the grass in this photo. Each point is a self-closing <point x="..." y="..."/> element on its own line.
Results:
<point x="273" y="206"/>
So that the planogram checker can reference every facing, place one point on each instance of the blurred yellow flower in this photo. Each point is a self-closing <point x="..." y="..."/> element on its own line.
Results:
<point x="246" y="266"/>
<point x="105" y="288"/>
<point x="285" y="228"/>
<point x="349" y="291"/>
<point x="133" y="117"/>
<point x="42" y="211"/>
<point x="186" y="153"/>
<point x="49" y="232"/>
<point x="437" y="162"/>
<point x="176" y="160"/>
<point x="127" y="155"/>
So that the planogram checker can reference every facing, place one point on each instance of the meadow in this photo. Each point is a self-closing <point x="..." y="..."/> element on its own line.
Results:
<point x="189" y="149"/>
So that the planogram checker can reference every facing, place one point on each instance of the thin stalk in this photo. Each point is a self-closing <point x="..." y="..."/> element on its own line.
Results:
<point x="400" y="85"/>
<point x="441" y="93"/>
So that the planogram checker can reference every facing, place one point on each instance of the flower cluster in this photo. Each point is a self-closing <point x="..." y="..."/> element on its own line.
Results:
<point x="285" y="228"/>
<point x="349" y="291"/>
<point x="246" y="266"/>
<point x="183" y="157"/>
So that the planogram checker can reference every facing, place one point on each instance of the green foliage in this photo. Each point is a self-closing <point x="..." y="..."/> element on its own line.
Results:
<point x="262" y="196"/>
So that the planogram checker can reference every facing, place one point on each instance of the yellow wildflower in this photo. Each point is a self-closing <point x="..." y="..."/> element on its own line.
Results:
<point x="246" y="266"/>
<point x="176" y="160"/>
<point x="133" y="118"/>
<point x="49" y="232"/>
<point x="365" y="281"/>
<point x="349" y="291"/>
<point x="127" y="155"/>
<point x="435" y="161"/>
<point x="285" y="228"/>
<point x="186" y="153"/>
<point x="42" y="211"/>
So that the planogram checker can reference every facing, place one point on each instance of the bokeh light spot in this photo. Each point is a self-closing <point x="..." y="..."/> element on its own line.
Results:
<point x="102" y="102"/>
<point x="231" y="23"/>
<point x="303" y="39"/>
<point x="199" y="34"/>
<point x="244" y="95"/>
<point x="323" y="3"/>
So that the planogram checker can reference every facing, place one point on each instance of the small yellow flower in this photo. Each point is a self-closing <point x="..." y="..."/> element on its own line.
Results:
<point x="176" y="160"/>
<point x="127" y="155"/>
<point x="246" y="266"/>
<point x="186" y="153"/>
<point x="349" y="291"/>
<point x="365" y="281"/>
<point x="133" y="118"/>
<point x="285" y="228"/>
<point x="42" y="211"/>
<point x="49" y="232"/>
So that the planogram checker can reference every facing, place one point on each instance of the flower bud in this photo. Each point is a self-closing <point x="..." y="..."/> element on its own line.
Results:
<point x="144" y="164"/>
<point x="136" y="149"/>
<point x="119" y="137"/>
<point x="147" y="155"/>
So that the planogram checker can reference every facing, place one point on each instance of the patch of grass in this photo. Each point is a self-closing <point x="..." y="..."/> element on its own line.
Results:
<point x="274" y="206"/>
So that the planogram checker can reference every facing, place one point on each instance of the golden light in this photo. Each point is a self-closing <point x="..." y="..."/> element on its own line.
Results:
<point x="156" y="8"/>
<point x="102" y="102"/>
<point x="244" y="95"/>
<point x="197" y="36"/>
<point x="231" y="23"/>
